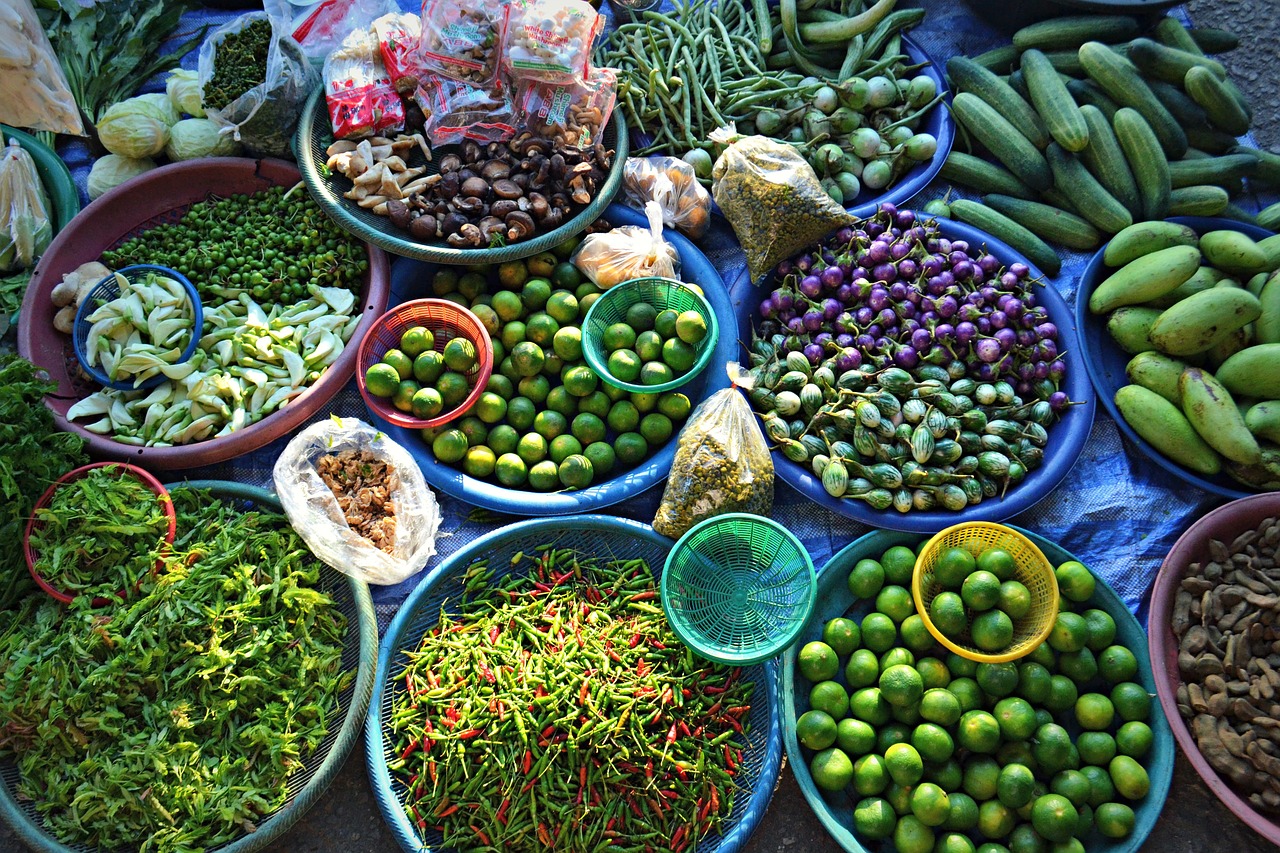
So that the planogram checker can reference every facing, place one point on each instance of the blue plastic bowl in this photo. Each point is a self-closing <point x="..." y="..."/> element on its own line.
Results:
<point x="593" y="534"/>
<point x="1105" y="361"/>
<point x="106" y="290"/>
<point x="1066" y="437"/>
<point x="408" y="281"/>
<point x="836" y="811"/>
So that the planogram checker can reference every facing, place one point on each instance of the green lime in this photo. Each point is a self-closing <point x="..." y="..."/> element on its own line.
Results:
<point x="511" y="471"/>
<point x="1054" y="817"/>
<point x="403" y="398"/>
<point x="895" y="602"/>
<point x="930" y="804"/>
<point x="520" y="413"/>
<point x="579" y="380"/>
<point x="490" y="408"/>
<point x="1017" y="752"/>
<point x="1015" y="786"/>
<point x="816" y="730"/>
<point x="562" y="305"/>
<point x="1102" y="629"/>
<point x="460" y="355"/>
<point x="541" y="328"/>
<point x="869" y="706"/>
<point x="630" y="447"/>
<point x="536" y="388"/>
<point x="1101" y="790"/>
<point x="862" y="669"/>
<point x="855" y="736"/>
<point x="450" y="446"/>
<point x="588" y="429"/>
<point x="550" y="424"/>
<point x="890" y="734"/>
<point x="1079" y="666"/>
<point x="873" y="817"/>
<point x="674" y="405"/>
<point x="640" y="316"/>
<point x="870" y="775"/>
<point x="513" y="333"/>
<point x="567" y="343"/>
<point x="953" y="842"/>
<point x="1114" y="820"/>
<point x="981" y="777"/>
<point x="500" y="385"/>
<point x="1015" y="599"/>
<point x="866" y="579"/>
<point x="679" y="356"/>
<point x="906" y="714"/>
<point x="415" y="340"/>
<point x="649" y="346"/>
<point x="1062" y="694"/>
<point x="948" y="614"/>
<point x="1025" y="839"/>
<point x="995" y="819"/>
<point x="656" y="428"/>
<point x="1052" y="748"/>
<point x="453" y="388"/>
<point x="1075" y="581"/>
<point x="401" y="362"/>
<point x="427" y="403"/>
<point x="899" y="562"/>
<point x="624" y="365"/>
<point x="544" y="476"/>
<point x="842" y="635"/>
<point x="479" y="461"/>
<point x="1094" y="712"/>
<point x="428" y="367"/>
<point x="960" y="666"/>
<point x="953" y="565"/>
<point x="830" y="696"/>
<point x="566" y="275"/>
<point x="980" y="590"/>
<point x="932" y="742"/>
<point x="476" y="430"/>
<point x="1131" y="700"/>
<point x="532" y="448"/>
<point x="1096" y="747"/>
<point x="471" y="284"/>
<point x="618" y="337"/>
<point x="528" y="358"/>
<point x="643" y="401"/>
<point x="911" y="835"/>
<point x="560" y="401"/>
<point x="992" y="631"/>
<point x="978" y="732"/>
<point x="878" y="632"/>
<point x="1116" y="664"/>
<point x="489" y="319"/>
<point x="939" y="705"/>
<point x="967" y="693"/>
<point x="535" y="294"/>
<point x="1070" y="633"/>
<point x="831" y="770"/>
<point x="691" y="327"/>
<point x="964" y="812"/>
<point x="576" y="472"/>
<point x="1044" y="655"/>
<point x="513" y="274"/>
<point x="596" y="403"/>
<point x="503" y="439"/>
<point x="999" y="562"/>
<point x="445" y="281"/>
<point x="1134" y="739"/>
<point x="562" y="447"/>
<point x="818" y="661"/>
<point x="933" y="671"/>
<point x="948" y="775"/>
<point x="901" y="685"/>
<point x="665" y="323"/>
<point x="382" y="380"/>
<point x="655" y="373"/>
<point x="623" y="416"/>
<point x="507" y="368"/>
<point x="1033" y="682"/>
<point x="1073" y="785"/>
<point x="601" y="456"/>
<point x="904" y="763"/>
<point x="897" y="656"/>
<point x="1016" y="717"/>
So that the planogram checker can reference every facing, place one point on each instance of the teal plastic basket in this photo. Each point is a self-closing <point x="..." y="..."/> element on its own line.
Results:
<point x="662" y="293"/>
<point x="738" y="588"/>
<point x="835" y="810"/>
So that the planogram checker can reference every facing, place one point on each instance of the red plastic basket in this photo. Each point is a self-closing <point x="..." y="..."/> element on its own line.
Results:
<point x="446" y="320"/>
<point x="76" y="474"/>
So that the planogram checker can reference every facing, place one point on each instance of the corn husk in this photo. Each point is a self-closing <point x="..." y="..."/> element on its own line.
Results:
<point x="25" y="227"/>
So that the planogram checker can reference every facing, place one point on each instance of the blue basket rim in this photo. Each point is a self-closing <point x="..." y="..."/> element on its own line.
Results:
<point x="1091" y="328"/>
<point x="704" y="357"/>
<point x="1067" y="436"/>
<point x="86" y="308"/>
<point x="375" y="763"/>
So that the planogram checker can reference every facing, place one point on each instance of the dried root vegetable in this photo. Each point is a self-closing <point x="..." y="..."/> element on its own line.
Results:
<point x="364" y="486"/>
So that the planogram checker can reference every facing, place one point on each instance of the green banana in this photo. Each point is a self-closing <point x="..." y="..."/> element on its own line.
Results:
<point x="1212" y="412"/>
<point x="1165" y="428"/>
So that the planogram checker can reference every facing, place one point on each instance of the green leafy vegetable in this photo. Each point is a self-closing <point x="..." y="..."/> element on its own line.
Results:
<point x="239" y="64"/>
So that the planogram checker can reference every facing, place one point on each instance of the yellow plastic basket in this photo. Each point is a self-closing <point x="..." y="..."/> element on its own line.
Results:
<point x="1033" y="570"/>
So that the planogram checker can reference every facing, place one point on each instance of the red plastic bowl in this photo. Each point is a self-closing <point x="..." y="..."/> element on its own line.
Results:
<point x="152" y="198"/>
<point x="1224" y="524"/>
<point x="75" y="474"/>
<point x="445" y="320"/>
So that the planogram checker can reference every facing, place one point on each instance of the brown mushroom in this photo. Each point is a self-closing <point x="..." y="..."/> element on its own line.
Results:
<point x="470" y="205"/>
<point x="475" y="188"/>
<point x="467" y="235"/>
<point x="503" y="206"/>
<point x="519" y="225"/>
<point x="491" y="225"/>
<point x="504" y="188"/>
<point x="539" y="206"/>
<point x="495" y="169"/>
<point x="450" y="163"/>
<point x="578" y="190"/>
<point x="450" y="185"/>
<point x="471" y="152"/>
<point x="424" y="228"/>
<point x="453" y="222"/>
<point x="557" y="165"/>
<point x="398" y="213"/>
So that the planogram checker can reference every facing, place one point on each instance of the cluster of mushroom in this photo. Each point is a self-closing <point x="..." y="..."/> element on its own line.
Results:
<point x="377" y="169"/>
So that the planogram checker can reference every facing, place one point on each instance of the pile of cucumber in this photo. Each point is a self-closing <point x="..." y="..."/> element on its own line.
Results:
<point x="1095" y="126"/>
<point x="1201" y="315"/>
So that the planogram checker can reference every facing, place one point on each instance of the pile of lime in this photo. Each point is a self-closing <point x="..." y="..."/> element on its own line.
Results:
<point x="979" y="598"/>
<point x="545" y="420"/>
<point x="944" y="755"/>
<point x="652" y="347"/>
<point x="421" y="380"/>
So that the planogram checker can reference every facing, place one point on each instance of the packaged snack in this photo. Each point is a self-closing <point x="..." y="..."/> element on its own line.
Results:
<point x="357" y="90"/>
<point x="319" y="29"/>
<point x="627" y="252"/>
<point x="574" y="113"/>
<point x="455" y="111"/>
<point x="398" y="36"/>
<point x="549" y="40"/>
<point x="462" y="39"/>
<point x="671" y="182"/>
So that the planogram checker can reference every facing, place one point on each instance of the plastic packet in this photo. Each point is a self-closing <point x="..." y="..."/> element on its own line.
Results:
<point x="324" y="521"/>
<point x="722" y="463"/>
<point x="33" y="88"/>
<point x="549" y="40"/>
<point x="264" y="117"/>
<point x="671" y="182"/>
<point x="574" y="112"/>
<point x="627" y="252"/>
<point x="462" y="39"/>
<point x="320" y="29"/>
<point x="25" y="229"/>
<point x="454" y="111"/>
<point x="398" y="36"/>
<point x="772" y="198"/>
<point x="357" y="90"/>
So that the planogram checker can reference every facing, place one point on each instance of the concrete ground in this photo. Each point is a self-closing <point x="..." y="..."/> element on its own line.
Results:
<point x="346" y="819"/>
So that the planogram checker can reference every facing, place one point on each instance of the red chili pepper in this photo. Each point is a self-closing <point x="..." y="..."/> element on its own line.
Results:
<point x="698" y="731"/>
<point x="647" y="595"/>
<point x="528" y="786"/>
<point x="608" y="825"/>
<point x="448" y="723"/>
<point x="582" y="775"/>
<point x="704" y="810"/>
<point x="667" y="696"/>
<point x="452" y="713"/>
<point x="728" y="759"/>
<point x="684" y="728"/>
<point x="409" y="750"/>
<point x="671" y="735"/>
<point x="669" y="794"/>
<point x="715" y="798"/>
<point x="656" y="715"/>
<point x="657" y="644"/>
<point x="582" y="694"/>
<point x="453" y="808"/>
<point x="543" y="835"/>
<point x="548" y="731"/>
<point x="677" y="837"/>
<point x="713" y="691"/>
<point x="501" y="816"/>
<point x="487" y="673"/>
<point x="739" y="710"/>
<point x="528" y="761"/>
<point x="408" y="684"/>
<point x="564" y="577"/>
<point x="634" y="808"/>
<point x="493" y="634"/>
<point x="642" y="669"/>
<point x="613" y="656"/>
<point x="431" y="770"/>
<point x="635" y="639"/>
<point x="680" y="771"/>
<point x="648" y="769"/>
<point x="686" y="692"/>
<point x="470" y="733"/>
<point x="484" y="839"/>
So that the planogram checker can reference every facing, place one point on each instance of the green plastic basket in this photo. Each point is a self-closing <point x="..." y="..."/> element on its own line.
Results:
<point x="662" y="293"/>
<point x="738" y="588"/>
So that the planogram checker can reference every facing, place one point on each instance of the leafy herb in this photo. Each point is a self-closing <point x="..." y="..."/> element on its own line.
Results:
<point x="109" y="49"/>
<point x="98" y="533"/>
<point x="33" y="453"/>
<point x="174" y="724"/>
<point x="239" y="64"/>
<point x="12" y="289"/>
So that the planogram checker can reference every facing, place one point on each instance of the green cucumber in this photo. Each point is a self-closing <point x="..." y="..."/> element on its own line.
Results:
<point x="1060" y="200"/>
<point x="1065" y="62"/>
<point x="1218" y="102"/>
<point x="1003" y="228"/>
<point x="1053" y="102"/>
<point x="1074" y="30"/>
<point x="1268" y="174"/>
<point x="1210" y="139"/>
<point x="1269" y="217"/>
<point x="1239" y="214"/>
<point x="1087" y="94"/>
<point x="1169" y="31"/>
<point x="1018" y="84"/>
<point x="1003" y="140"/>
<point x="982" y="176"/>
<point x="1146" y="159"/>
<point x="1120" y="79"/>
<point x="1222" y="170"/>
<point x="1170" y="64"/>
<point x="1213" y="40"/>
<point x="1092" y="199"/>
<point x="1103" y="157"/>
<point x="1181" y="107"/>
<point x="968" y="76"/>
<point x="1201" y="200"/>
<point x="999" y="60"/>
<point x="1047" y="222"/>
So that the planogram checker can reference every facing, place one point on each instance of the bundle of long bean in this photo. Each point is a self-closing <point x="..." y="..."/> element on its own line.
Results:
<point x="558" y="710"/>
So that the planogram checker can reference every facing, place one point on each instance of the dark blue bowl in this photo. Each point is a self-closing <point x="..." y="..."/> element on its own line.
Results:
<point x="1105" y="361"/>
<point x="1066" y="437"/>
<point x="408" y="278"/>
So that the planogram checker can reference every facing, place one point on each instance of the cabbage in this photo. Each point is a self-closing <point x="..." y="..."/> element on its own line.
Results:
<point x="198" y="137"/>
<point x="183" y="89"/>
<point x="159" y="101"/>
<point x="133" y="128"/>
<point x="113" y="170"/>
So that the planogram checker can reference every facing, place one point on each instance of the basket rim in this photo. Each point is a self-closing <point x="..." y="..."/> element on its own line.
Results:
<point x="1015" y="651"/>
<point x="166" y="502"/>
<point x="785" y="640"/>
<point x="277" y="824"/>
<point x="392" y="641"/>
<point x="707" y="345"/>
<point x="405" y="419"/>
<point x="86" y="307"/>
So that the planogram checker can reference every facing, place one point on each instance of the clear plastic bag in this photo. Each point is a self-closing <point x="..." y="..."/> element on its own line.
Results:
<point x="454" y="111"/>
<point x="671" y="182"/>
<point x="549" y="40"/>
<point x="627" y="252"/>
<point x="772" y="198"/>
<point x="722" y="463"/>
<point x="320" y="29"/>
<point x="573" y="113"/>
<point x="315" y="512"/>
<point x="33" y="88"/>
<point x="263" y="118"/>
<point x="25" y="229"/>
<point x="357" y="90"/>
<point x="462" y="39"/>
<point x="398" y="37"/>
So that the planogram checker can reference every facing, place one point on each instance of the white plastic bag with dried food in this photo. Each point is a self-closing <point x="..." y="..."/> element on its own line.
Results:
<point x="33" y="88"/>
<point x="25" y="226"/>
<point x="378" y="521"/>
<point x="722" y="463"/>
<point x="671" y="182"/>
<point x="358" y="91"/>
<point x="627" y="252"/>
